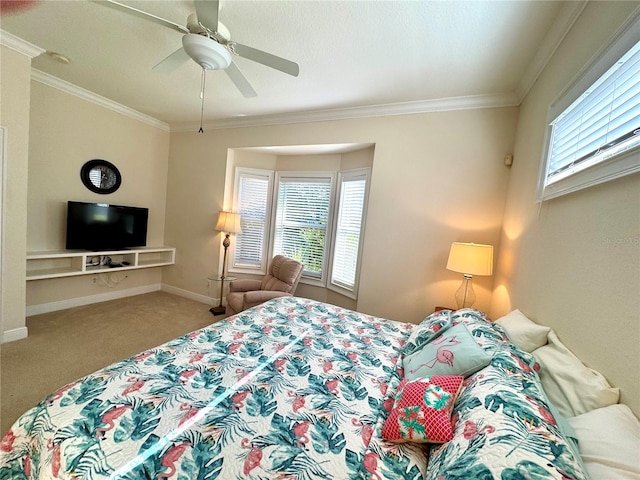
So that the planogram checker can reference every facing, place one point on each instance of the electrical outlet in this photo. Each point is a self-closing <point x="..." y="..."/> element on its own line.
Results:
<point x="208" y="283"/>
<point x="94" y="280"/>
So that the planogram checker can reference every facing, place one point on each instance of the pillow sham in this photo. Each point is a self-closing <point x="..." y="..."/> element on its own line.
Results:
<point x="504" y="429"/>
<point x="431" y="327"/>
<point x="571" y="386"/>
<point x="524" y="333"/>
<point x="454" y="352"/>
<point x="609" y="441"/>
<point x="422" y="410"/>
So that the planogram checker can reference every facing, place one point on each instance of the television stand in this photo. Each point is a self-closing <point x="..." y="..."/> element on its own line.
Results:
<point x="68" y="263"/>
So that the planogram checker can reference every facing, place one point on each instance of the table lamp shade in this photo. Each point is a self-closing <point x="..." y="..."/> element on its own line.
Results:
<point x="228" y="222"/>
<point x="471" y="258"/>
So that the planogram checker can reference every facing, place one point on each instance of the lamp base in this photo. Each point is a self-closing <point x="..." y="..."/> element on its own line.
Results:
<point x="465" y="296"/>
<point x="219" y="310"/>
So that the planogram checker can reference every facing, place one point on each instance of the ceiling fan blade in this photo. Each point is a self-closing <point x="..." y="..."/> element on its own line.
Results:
<point x="273" y="61"/>
<point x="172" y="62"/>
<point x="207" y="11"/>
<point x="240" y="81"/>
<point x="139" y="13"/>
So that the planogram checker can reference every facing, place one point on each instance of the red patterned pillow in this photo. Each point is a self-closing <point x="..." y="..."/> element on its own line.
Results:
<point x="422" y="410"/>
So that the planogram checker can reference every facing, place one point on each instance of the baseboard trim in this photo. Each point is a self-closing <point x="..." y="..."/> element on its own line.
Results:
<point x="14" y="334"/>
<point x="80" y="301"/>
<point x="190" y="295"/>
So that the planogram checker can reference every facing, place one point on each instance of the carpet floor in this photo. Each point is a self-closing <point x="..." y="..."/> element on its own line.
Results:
<point x="66" y="345"/>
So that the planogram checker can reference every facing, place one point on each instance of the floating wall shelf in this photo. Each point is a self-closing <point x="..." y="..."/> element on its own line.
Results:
<point x="68" y="263"/>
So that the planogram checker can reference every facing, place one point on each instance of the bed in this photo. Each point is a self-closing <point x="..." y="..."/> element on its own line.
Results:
<point x="299" y="389"/>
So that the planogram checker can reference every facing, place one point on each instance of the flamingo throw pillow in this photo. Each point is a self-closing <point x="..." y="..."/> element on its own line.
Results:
<point x="422" y="410"/>
<point x="455" y="352"/>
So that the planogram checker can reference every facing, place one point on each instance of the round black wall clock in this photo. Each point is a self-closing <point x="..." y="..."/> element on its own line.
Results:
<point x="100" y="176"/>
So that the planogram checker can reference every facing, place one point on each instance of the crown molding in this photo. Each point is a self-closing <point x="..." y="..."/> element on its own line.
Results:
<point x="19" y="45"/>
<point x="569" y="13"/>
<point x="561" y="26"/>
<point x="404" y="108"/>
<point x="70" y="88"/>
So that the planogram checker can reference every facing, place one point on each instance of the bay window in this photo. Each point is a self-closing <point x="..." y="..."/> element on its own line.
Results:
<point x="316" y="218"/>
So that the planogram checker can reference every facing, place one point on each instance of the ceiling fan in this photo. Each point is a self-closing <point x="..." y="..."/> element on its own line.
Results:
<point x="207" y="42"/>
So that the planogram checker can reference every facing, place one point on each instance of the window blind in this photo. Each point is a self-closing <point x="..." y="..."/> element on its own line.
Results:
<point x="348" y="232"/>
<point x="302" y="223"/>
<point x="300" y="226"/>
<point x="252" y="201"/>
<point x="603" y="122"/>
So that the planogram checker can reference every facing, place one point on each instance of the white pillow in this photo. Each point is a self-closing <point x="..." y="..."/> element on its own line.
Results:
<point x="569" y="384"/>
<point x="609" y="441"/>
<point x="524" y="333"/>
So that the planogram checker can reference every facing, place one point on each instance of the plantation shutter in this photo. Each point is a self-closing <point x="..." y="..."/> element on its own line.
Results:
<point x="253" y="205"/>
<point x="604" y="121"/>
<point x="300" y="226"/>
<point x="348" y="231"/>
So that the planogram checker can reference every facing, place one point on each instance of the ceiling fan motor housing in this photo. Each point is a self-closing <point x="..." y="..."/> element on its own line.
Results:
<point x="195" y="27"/>
<point x="206" y="52"/>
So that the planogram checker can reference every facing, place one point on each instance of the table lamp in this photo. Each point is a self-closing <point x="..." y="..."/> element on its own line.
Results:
<point x="469" y="259"/>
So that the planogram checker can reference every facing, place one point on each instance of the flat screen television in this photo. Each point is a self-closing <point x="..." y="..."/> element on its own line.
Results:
<point x="101" y="226"/>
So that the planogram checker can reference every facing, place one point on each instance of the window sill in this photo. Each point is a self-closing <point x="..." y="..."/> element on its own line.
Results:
<point x="626" y="163"/>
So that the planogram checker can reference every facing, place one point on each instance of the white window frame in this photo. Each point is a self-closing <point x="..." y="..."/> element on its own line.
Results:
<point x="619" y="165"/>
<point x="269" y="176"/>
<point x="302" y="175"/>
<point x="345" y="176"/>
<point x="336" y="180"/>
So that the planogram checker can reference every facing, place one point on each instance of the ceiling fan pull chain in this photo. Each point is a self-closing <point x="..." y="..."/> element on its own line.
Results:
<point x="202" y="84"/>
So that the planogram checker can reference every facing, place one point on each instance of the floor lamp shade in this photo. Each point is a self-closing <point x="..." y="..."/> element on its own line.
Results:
<point x="227" y="223"/>
<point x="469" y="259"/>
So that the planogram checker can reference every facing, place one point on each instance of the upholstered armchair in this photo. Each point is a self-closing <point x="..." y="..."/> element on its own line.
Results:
<point x="281" y="280"/>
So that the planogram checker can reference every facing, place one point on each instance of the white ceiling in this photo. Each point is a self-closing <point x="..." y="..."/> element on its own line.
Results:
<point x="354" y="56"/>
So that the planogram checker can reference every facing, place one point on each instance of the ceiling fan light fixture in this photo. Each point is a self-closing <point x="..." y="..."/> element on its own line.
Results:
<point x="206" y="52"/>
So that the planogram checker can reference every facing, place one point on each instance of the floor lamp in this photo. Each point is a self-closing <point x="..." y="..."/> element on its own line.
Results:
<point x="228" y="223"/>
<point x="469" y="259"/>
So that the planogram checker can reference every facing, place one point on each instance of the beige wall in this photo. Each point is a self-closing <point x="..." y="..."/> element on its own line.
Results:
<point x="437" y="178"/>
<point x="66" y="132"/>
<point x="15" y="71"/>
<point x="574" y="262"/>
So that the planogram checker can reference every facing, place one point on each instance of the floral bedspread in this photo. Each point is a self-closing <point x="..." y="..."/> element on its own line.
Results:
<point x="506" y="428"/>
<point x="291" y="389"/>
